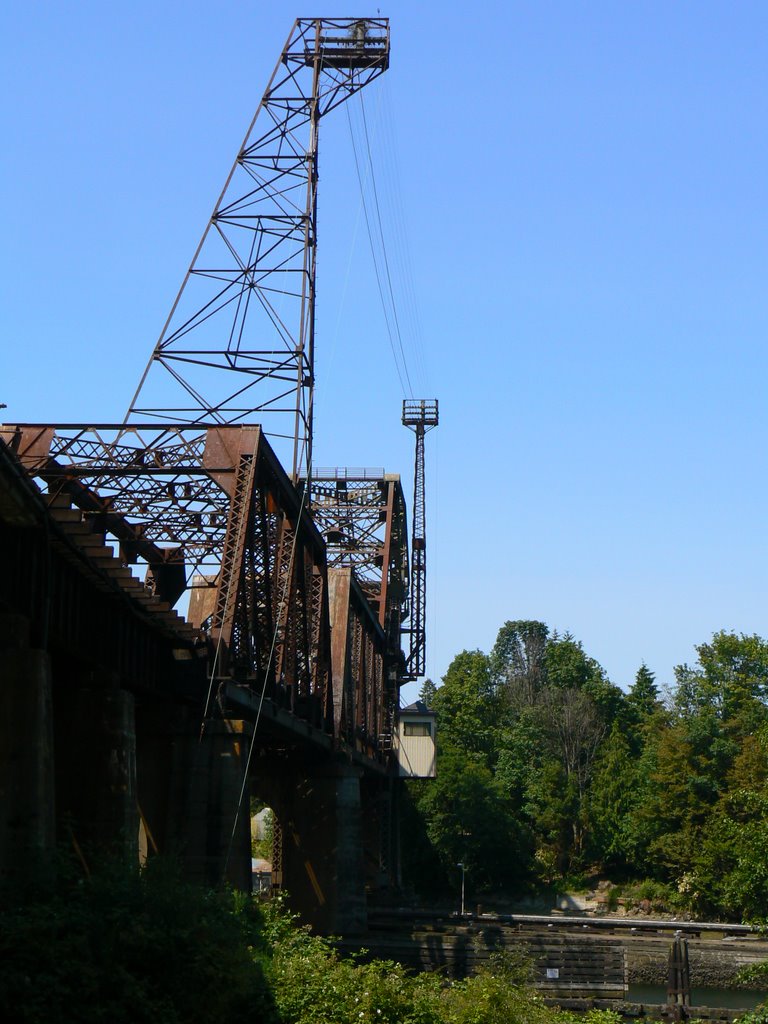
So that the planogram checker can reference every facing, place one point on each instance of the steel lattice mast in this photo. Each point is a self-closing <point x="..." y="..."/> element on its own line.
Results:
<point x="238" y="343"/>
<point x="419" y="415"/>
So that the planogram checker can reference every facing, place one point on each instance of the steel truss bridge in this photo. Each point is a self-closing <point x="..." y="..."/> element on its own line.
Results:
<point x="278" y="676"/>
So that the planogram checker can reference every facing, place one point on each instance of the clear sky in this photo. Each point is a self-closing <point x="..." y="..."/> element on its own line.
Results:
<point x="583" y="193"/>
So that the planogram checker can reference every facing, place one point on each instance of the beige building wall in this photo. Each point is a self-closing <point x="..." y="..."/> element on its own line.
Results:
<point x="416" y="746"/>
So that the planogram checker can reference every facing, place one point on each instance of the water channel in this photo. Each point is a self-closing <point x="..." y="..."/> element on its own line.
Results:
<point x="732" y="999"/>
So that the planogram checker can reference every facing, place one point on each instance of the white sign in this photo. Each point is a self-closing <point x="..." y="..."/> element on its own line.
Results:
<point x="552" y="973"/>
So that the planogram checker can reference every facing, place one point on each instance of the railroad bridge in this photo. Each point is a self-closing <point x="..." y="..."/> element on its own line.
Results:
<point x="185" y="623"/>
<point x="121" y="717"/>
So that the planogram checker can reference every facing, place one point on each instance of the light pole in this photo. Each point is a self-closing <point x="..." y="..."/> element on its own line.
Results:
<point x="461" y="865"/>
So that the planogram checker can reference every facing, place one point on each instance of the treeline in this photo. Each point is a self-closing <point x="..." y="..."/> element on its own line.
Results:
<point x="548" y="772"/>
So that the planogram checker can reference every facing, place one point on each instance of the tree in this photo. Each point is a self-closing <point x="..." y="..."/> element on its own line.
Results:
<point x="613" y="796"/>
<point x="427" y="692"/>
<point x="556" y="706"/>
<point x="643" y="697"/>
<point x="465" y="708"/>
<point x="422" y="865"/>
<point x="517" y="660"/>
<point x="470" y="820"/>
<point x="683" y="795"/>
<point x="566" y="664"/>
<point x="728" y="870"/>
<point x="718" y="703"/>
<point x="470" y="814"/>
<point x="729" y="683"/>
<point x="643" y="710"/>
<point x="574" y="729"/>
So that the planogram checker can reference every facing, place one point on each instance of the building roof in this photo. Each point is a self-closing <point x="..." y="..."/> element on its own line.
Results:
<point x="417" y="708"/>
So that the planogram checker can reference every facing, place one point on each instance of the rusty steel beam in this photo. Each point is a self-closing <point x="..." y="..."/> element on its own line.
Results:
<point x="80" y="604"/>
<point x="365" y="671"/>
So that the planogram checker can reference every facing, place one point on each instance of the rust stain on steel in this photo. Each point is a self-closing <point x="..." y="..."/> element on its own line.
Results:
<point x="339" y="583"/>
<point x="224" y="447"/>
<point x="32" y="444"/>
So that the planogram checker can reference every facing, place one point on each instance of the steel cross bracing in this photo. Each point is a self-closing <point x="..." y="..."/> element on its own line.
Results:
<point x="361" y="514"/>
<point x="145" y="485"/>
<point x="239" y="341"/>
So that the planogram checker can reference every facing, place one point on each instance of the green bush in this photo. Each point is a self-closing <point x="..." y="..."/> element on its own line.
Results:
<point x="130" y="946"/>
<point x="757" y="1016"/>
<point x="662" y="897"/>
<point x="313" y="984"/>
<point x="124" y="947"/>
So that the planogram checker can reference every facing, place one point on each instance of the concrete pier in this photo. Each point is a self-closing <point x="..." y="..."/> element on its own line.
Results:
<point x="27" y="795"/>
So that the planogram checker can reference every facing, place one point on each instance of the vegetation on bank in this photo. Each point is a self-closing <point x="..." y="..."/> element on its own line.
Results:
<point x="133" y="947"/>
<point x="549" y="775"/>
<point x="129" y="947"/>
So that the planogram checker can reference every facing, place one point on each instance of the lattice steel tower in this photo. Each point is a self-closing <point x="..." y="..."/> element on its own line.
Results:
<point x="420" y="415"/>
<point x="239" y="340"/>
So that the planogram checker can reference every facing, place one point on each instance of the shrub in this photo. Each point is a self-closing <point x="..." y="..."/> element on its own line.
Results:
<point x="131" y="946"/>
<point x="134" y="947"/>
<point x="312" y="984"/>
<point x="661" y="897"/>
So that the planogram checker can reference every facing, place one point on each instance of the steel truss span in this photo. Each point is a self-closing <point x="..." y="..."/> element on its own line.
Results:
<point x="239" y="341"/>
<point x="209" y="508"/>
<point x="164" y="493"/>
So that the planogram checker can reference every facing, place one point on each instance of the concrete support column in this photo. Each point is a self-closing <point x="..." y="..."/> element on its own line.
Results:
<point x="319" y="810"/>
<point x="351" y="905"/>
<point x="96" y="768"/>
<point x="157" y="723"/>
<point x="27" y="804"/>
<point x="396" y="865"/>
<point x="380" y="814"/>
<point x="209" y="826"/>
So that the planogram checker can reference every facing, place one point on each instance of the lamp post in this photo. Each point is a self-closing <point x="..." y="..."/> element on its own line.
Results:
<point x="463" y="869"/>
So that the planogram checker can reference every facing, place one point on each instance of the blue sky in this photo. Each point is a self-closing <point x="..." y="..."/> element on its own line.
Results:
<point x="584" y="194"/>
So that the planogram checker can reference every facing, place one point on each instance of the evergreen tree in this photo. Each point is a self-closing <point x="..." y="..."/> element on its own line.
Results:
<point x="644" y="710"/>
<point x="427" y="692"/>
<point x="643" y="697"/>
<point x="613" y="796"/>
